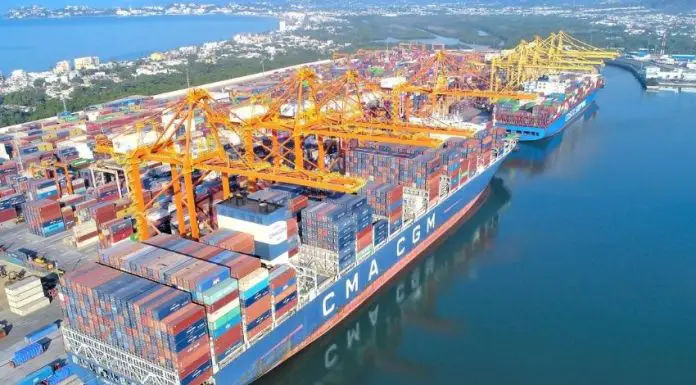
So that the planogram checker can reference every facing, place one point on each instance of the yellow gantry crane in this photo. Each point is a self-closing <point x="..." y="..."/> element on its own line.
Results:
<point x="557" y="53"/>
<point x="264" y="138"/>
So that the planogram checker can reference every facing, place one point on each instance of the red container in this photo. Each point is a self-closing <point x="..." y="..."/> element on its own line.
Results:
<point x="260" y="328"/>
<point x="259" y="307"/>
<point x="183" y="318"/>
<point x="8" y="214"/>
<point x="230" y="338"/>
<point x="285" y="293"/>
<point x="222" y="302"/>
<point x="292" y="227"/>
<point x="365" y="241"/>
<point x="185" y="369"/>
<point x="192" y="352"/>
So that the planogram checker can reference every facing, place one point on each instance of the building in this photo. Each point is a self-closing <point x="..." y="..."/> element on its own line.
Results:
<point x="62" y="67"/>
<point x="674" y="74"/>
<point x="157" y="56"/>
<point x="88" y="62"/>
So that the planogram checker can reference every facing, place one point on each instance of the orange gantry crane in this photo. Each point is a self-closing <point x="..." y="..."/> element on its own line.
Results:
<point x="193" y="130"/>
<point x="50" y="166"/>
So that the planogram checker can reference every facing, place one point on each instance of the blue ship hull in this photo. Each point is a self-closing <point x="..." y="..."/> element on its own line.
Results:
<point x="354" y="287"/>
<point x="528" y="134"/>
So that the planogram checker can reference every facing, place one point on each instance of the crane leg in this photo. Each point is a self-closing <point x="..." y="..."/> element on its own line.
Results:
<point x="178" y="200"/>
<point x="191" y="202"/>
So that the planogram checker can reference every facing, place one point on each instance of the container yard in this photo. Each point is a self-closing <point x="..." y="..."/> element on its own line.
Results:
<point x="213" y="237"/>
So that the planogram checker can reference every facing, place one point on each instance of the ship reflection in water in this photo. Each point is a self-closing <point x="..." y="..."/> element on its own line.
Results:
<point x="368" y="342"/>
<point x="534" y="158"/>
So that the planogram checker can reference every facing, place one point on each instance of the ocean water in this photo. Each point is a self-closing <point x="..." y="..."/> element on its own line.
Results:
<point x="37" y="44"/>
<point x="578" y="269"/>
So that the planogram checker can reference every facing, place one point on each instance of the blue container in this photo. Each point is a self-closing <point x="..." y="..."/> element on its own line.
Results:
<point x="40" y="333"/>
<point x="181" y="345"/>
<point x="197" y="373"/>
<point x="27" y="353"/>
<point x="250" y="292"/>
<point x="283" y="302"/>
<point x="37" y="376"/>
<point x="60" y="375"/>
<point x="246" y="302"/>
<point x="169" y="307"/>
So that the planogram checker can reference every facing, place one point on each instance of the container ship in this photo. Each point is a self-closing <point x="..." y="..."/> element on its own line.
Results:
<point x="563" y="99"/>
<point x="282" y="269"/>
<point x="278" y="238"/>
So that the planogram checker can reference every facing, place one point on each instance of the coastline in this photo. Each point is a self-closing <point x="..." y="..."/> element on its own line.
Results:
<point x="123" y="31"/>
<point x="4" y="18"/>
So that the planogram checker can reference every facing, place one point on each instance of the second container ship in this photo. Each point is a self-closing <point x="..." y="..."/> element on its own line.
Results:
<point x="563" y="98"/>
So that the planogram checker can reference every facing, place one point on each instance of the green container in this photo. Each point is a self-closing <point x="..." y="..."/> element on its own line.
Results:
<point x="220" y="322"/>
<point x="219" y="291"/>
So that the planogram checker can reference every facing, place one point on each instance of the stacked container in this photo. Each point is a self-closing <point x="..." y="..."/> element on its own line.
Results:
<point x="107" y="192"/>
<point x="79" y="186"/>
<point x="26" y="296"/>
<point x="231" y="240"/>
<point x="283" y="284"/>
<point x="255" y="297"/>
<point x="266" y="221"/>
<point x="115" y="231"/>
<point x="381" y="231"/>
<point x="386" y="200"/>
<point x="214" y="272"/>
<point x="102" y="212"/>
<point x="43" y="189"/>
<point x="157" y="323"/>
<point x="85" y="233"/>
<point x="44" y="217"/>
<point x="331" y="228"/>
<point x="68" y="217"/>
<point x="361" y="212"/>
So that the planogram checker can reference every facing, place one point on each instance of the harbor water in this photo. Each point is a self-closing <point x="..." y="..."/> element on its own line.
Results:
<point x="37" y="44"/>
<point x="577" y="269"/>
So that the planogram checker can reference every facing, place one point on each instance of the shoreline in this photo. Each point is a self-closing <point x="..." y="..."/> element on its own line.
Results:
<point x="135" y="56"/>
<point x="134" y="16"/>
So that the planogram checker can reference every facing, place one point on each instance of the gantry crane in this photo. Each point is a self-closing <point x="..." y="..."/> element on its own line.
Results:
<point x="50" y="166"/>
<point x="557" y="53"/>
<point x="174" y="144"/>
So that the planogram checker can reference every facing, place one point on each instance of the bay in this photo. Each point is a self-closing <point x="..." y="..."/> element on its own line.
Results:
<point x="37" y="44"/>
<point x="578" y="269"/>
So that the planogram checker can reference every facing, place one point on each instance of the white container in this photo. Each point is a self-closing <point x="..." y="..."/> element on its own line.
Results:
<point x="128" y="142"/>
<point x="32" y="307"/>
<point x="25" y="294"/>
<point x="243" y="113"/>
<point x="272" y="234"/>
<point x="253" y="278"/>
<point x="391" y="82"/>
<point x="18" y="304"/>
<point x="22" y="286"/>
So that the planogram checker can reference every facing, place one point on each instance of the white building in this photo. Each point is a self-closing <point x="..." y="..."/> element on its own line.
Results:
<point x="62" y="67"/>
<point x="87" y="62"/>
